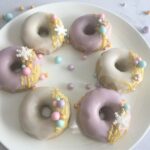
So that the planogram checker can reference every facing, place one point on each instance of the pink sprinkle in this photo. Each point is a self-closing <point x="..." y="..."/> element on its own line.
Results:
<point x="84" y="57"/>
<point x="88" y="86"/>
<point x="70" y="86"/>
<point x="55" y="116"/>
<point x="40" y="56"/>
<point x="26" y="71"/>
<point x="102" y="16"/>
<point x="71" y="67"/>
<point x="54" y="17"/>
<point x="42" y="77"/>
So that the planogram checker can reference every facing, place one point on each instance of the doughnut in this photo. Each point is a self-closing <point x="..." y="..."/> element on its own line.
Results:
<point x="103" y="116"/>
<point x="44" y="113"/>
<point x="90" y="33"/>
<point x="19" y="68"/>
<point x="120" y="69"/>
<point x="44" y="32"/>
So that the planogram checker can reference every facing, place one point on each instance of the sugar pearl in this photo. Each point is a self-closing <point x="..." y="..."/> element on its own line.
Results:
<point x="71" y="67"/>
<point x="55" y="116"/>
<point x="102" y="29"/>
<point x="40" y="56"/>
<point x="60" y="123"/>
<point x="142" y="64"/>
<point x="58" y="60"/>
<point x="61" y="103"/>
<point x="145" y="29"/>
<point x="102" y="16"/>
<point x="21" y="8"/>
<point x="7" y="17"/>
<point x="126" y="106"/>
<point x="70" y="86"/>
<point x="26" y="71"/>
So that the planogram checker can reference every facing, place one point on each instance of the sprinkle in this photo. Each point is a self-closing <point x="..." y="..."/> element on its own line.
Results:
<point x="58" y="60"/>
<point x="137" y="77"/>
<point x="40" y="56"/>
<point x="84" y="57"/>
<point x="60" y="123"/>
<point x="70" y="86"/>
<point x="102" y="29"/>
<point x="26" y="71"/>
<point x="145" y="29"/>
<point x="126" y="106"/>
<point x="24" y="53"/>
<point x="53" y="17"/>
<point x="123" y="4"/>
<point x="61" y="103"/>
<point x="42" y="77"/>
<point x="61" y="30"/>
<point x="55" y="116"/>
<point x="142" y="64"/>
<point x="23" y="66"/>
<point x="21" y="8"/>
<point x="7" y="17"/>
<point x="70" y="67"/>
<point x="146" y="12"/>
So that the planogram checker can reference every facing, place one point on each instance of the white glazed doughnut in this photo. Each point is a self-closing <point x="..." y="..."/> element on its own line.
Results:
<point x="44" y="114"/>
<point x="43" y="32"/>
<point x="120" y="69"/>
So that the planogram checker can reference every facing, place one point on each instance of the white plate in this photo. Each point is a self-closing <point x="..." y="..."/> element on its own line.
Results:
<point x="123" y="35"/>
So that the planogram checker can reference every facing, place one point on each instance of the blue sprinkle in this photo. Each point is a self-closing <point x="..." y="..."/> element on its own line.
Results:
<point x="102" y="29"/>
<point x="126" y="106"/>
<point x="142" y="64"/>
<point x="60" y="123"/>
<point x="7" y="17"/>
<point x="58" y="59"/>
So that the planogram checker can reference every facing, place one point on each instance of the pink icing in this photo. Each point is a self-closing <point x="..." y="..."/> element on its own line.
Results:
<point x="89" y="120"/>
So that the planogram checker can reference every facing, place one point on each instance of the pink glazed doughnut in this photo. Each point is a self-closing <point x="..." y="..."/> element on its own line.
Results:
<point x="103" y="116"/>
<point x="90" y="33"/>
<point x="19" y="68"/>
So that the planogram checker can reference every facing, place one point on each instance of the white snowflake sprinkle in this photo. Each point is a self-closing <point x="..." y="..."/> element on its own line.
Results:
<point x="61" y="30"/>
<point x="121" y="120"/>
<point x="24" y="53"/>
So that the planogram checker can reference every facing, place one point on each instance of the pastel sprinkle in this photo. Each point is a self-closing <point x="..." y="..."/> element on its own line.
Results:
<point x="58" y="98"/>
<point x="70" y="86"/>
<point x="40" y="56"/>
<point x="102" y="29"/>
<point x="42" y="77"/>
<point x="21" y="8"/>
<point x="7" y="17"/>
<point x="71" y="67"/>
<point x="126" y="106"/>
<point x="55" y="116"/>
<point x="145" y="29"/>
<point x="58" y="60"/>
<point x="26" y="71"/>
<point x="61" y="103"/>
<point x="60" y="123"/>
<point x="142" y="64"/>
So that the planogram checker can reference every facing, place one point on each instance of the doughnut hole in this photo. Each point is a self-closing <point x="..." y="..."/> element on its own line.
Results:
<point x="106" y="113"/>
<point x="16" y="66"/>
<point x="89" y="30"/>
<point x="43" y="31"/>
<point x="45" y="111"/>
<point x="123" y="65"/>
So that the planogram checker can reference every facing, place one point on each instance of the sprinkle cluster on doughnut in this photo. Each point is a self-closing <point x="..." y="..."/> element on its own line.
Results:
<point x="120" y="69"/>
<point x="103" y="116"/>
<point x="90" y="33"/>
<point x="20" y="68"/>
<point x="44" y="32"/>
<point x="44" y="113"/>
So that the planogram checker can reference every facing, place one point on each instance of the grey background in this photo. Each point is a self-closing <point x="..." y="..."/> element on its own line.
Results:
<point x="132" y="12"/>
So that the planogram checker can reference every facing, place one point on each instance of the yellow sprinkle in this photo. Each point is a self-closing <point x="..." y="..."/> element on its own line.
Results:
<point x="21" y="8"/>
